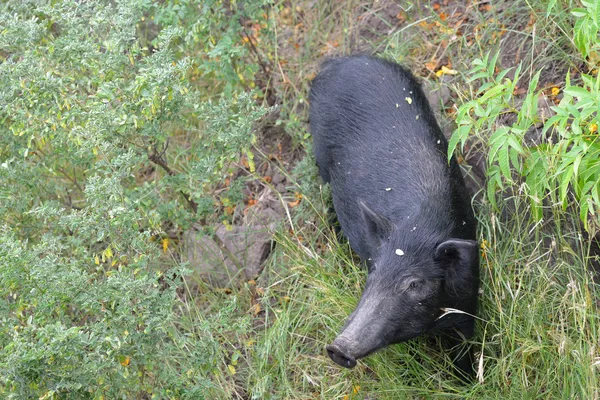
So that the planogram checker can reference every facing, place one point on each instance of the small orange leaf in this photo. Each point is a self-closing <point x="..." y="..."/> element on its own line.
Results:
<point x="125" y="361"/>
<point x="401" y="17"/>
<point x="431" y="65"/>
<point x="252" y="282"/>
<point x="245" y="162"/>
<point x="260" y="291"/>
<point x="255" y="309"/>
<point x="555" y="91"/>
<point x="297" y="201"/>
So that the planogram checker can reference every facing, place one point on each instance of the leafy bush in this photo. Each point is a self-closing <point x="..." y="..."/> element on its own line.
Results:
<point x="120" y="121"/>
<point x="565" y="162"/>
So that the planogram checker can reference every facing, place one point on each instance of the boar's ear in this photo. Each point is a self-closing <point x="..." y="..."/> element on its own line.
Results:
<point x="460" y="258"/>
<point x="378" y="225"/>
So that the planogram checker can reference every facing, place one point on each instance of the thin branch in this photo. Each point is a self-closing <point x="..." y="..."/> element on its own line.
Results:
<point x="158" y="159"/>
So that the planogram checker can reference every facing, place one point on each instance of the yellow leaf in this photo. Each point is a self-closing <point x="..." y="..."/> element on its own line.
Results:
<point x="251" y="161"/>
<point x="165" y="244"/>
<point x="97" y="260"/>
<point x="231" y="369"/>
<point x="355" y="389"/>
<point x="555" y="91"/>
<point x="108" y="253"/>
<point x="446" y="71"/>
<point x="125" y="362"/>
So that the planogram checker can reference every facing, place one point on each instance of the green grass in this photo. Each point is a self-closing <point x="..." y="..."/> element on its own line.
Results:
<point x="536" y="337"/>
<point x="537" y="334"/>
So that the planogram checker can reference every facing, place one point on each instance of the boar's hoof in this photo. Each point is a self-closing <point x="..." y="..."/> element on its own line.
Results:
<point x="337" y="354"/>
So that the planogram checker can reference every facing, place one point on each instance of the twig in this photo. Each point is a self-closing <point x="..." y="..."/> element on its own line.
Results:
<point x="158" y="159"/>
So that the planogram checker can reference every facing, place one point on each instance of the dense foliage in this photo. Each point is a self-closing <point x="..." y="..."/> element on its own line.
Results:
<point x="562" y="165"/>
<point x="119" y="120"/>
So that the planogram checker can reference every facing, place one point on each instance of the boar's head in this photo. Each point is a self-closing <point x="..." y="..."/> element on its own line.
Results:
<point x="412" y="277"/>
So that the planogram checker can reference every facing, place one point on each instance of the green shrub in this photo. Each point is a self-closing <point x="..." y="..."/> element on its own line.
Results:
<point x="564" y="165"/>
<point x="119" y="122"/>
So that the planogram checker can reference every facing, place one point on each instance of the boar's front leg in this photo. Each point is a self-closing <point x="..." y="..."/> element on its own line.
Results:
<point x="461" y="351"/>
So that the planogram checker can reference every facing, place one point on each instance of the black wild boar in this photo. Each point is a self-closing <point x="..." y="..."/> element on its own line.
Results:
<point x="404" y="209"/>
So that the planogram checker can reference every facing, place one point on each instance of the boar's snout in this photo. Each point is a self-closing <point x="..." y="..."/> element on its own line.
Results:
<point x="339" y="352"/>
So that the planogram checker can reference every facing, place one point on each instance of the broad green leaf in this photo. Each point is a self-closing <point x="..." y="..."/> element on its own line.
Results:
<point x="503" y="162"/>
<point x="491" y="193"/>
<point x="495" y="91"/>
<point x="583" y="211"/>
<point x="459" y="135"/>
<point x="564" y="184"/>
<point x="577" y="92"/>
<point x="514" y="143"/>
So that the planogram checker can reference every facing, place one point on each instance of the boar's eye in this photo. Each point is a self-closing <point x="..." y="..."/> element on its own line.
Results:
<point x="415" y="284"/>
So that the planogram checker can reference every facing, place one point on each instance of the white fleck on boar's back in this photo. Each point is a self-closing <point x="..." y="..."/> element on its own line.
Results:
<point x="403" y="207"/>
